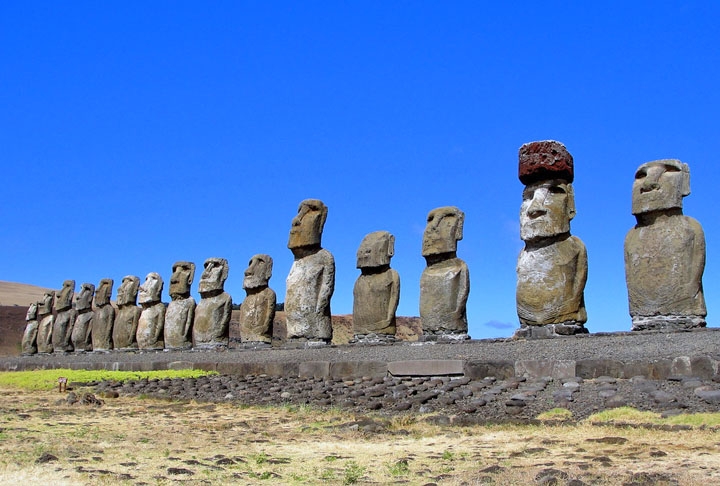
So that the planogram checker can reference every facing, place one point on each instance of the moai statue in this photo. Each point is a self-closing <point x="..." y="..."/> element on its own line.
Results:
<point x="128" y="314"/>
<point x="81" y="333"/>
<point x="152" y="317"/>
<point x="552" y="268"/>
<point x="103" y="317"/>
<point x="65" y="318"/>
<point x="377" y="290"/>
<point x="29" y="340"/>
<point x="213" y="312"/>
<point x="258" y="309"/>
<point x="181" y="310"/>
<point x="664" y="252"/>
<point x="311" y="281"/>
<point x="445" y="282"/>
<point x="46" y="320"/>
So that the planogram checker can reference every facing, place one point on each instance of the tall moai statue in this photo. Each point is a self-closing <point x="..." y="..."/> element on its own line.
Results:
<point x="664" y="252"/>
<point x="377" y="290"/>
<point x="152" y="316"/>
<point x="258" y="309"/>
<point x="29" y="340"/>
<point x="128" y="314"/>
<point x="311" y="281"/>
<point x="181" y="310"/>
<point x="64" y="319"/>
<point x="103" y="317"/>
<point x="213" y="312"/>
<point x="552" y="268"/>
<point x="445" y="281"/>
<point x="81" y="333"/>
<point x="46" y="320"/>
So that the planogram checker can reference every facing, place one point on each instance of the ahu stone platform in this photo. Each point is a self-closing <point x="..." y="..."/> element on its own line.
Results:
<point x="655" y="355"/>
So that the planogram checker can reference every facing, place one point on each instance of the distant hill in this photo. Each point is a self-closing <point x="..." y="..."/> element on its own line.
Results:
<point x="12" y="293"/>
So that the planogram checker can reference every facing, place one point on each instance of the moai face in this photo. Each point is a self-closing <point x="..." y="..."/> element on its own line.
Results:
<point x="660" y="185"/>
<point x="376" y="250"/>
<point x="32" y="312"/>
<point x="443" y="230"/>
<point x="181" y="279"/>
<point x="63" y="300"/>
<point x="127" y="292"/>
<point x="546" y="210"/>
<point x="307" y="225"/>
<point x="84" y="299"/>
<point x="151" y="289"/>
<point x="45" y="306"/>
<point x="258" y="272"/>
<point x="214" y="276"/>
<point x="104" y="290"/>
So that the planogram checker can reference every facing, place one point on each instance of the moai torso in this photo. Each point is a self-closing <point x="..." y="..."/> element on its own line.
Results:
<point x="127" y="316"/>
<point x="82" y="329"/>
<point x="181" y="310"/>
<point x="29" y="340"/>
<point x="152" y="316"/>
<point x="103" y="317"/>
<point x="213" y="312"/>
<point x="45" y="325"/>
<point x="309" y="287"/>
<point x="258" y="309"/>
<point x="65" y="318"/>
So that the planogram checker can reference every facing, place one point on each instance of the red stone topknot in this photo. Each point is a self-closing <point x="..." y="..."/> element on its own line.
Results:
<point x="545" y="160"/>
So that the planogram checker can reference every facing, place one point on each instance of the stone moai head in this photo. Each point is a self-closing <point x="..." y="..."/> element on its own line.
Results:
<point x="214" y="276"/>
<point x="376" y="250"/>
<point x="258" y="272"/>
<point x="45" y="306"/>
<point x="83" y="300"/>
<point x="150" y="291"/>
<point x="32" y="312"/>
<point x="660" y="185"/>
<point x="103" y="293"/>
<point x="443" y="230"/>
<point x="546" y="169"/>
<point x="181" y="279"/>
<point x="128" y="290"/>
<point x="63" y="299"/>
<point x="307" y="225"/>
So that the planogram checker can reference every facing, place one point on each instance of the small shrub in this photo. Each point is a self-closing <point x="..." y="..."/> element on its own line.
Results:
<point x="353" y="472"/>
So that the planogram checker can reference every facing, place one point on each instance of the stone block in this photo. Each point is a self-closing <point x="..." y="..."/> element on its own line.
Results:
<point x="592" y="368"/>
<point x="358" y="369"/>
<point x="681" y="366"/>
<point x="180" y="365"/>
<point x="314" y="369"/>
<point x="703" y="367"/>
<point x="480" y="369"/>
<point x="540" y="368"/>
<point x="426" y="367"/>
<point x="270" y="369"/>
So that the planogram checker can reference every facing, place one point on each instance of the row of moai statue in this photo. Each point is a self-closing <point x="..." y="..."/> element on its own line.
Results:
<point x="664" y="263"/>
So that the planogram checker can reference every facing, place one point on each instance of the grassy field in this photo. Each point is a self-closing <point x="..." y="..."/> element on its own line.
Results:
<point x="45" y="440"/>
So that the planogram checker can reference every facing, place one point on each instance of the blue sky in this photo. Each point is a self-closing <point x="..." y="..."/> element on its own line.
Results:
<point x="136" y="134"/>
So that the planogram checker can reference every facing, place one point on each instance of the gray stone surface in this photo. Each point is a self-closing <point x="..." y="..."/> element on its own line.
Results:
<point x="128" y="314"/>
<point x="426" y="367"/>
<point x="180" y="312"/>
<point x="257" y="311"/>
<point x="103" y="317"/>
<point x="45" y="322"/>
<point x="81" y="333"/>
<point x="212" y="314"/>
<point x="152" y="316"/>
<point x="29" y="340"/>
<point x="64" y="319"/>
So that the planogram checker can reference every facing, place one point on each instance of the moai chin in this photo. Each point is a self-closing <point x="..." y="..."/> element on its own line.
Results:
<point x="664" y="252"/>
<point x="46" y="320"/>
<point x="181" y="310"/>
<point x="127" y="316"/>
<point x="552" y="268"/>
<point x="152" y="317"/>
<point x="81" y="333"/>
<point x="103" y="317"/>
<point x="311" y="281"/>
<point x="258" y="309"/>
<point x="445" y="282"/>
<point x="213" y="312"/>
<point x="29" y="340"/>
<point x="377" y="290"/>
<point x="65" y="318"/>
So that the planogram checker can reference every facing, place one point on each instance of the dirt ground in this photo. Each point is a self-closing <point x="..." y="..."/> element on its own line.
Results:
<point x="136" y="440"/>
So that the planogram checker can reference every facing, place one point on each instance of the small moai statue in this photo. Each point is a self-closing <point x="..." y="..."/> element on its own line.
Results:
<point x="445" y="282"/>
<point x="103" y="317"/>
<point x="377" y="290"/>
<point x="552" y="268"/>
<point x="152" y="317"/>
<point x="258" y="309"/>
<point x="311" y="281"/>
<point x="29" y="340"/>
<point x="81" y="333"/>
<point x="64" y="319"/>
<point x="127" y="316"/>
<point x="181" y="310"/>
<point x="46" y="320"/>
<point x="664" y="252"/>
<point x="213" y="312"/>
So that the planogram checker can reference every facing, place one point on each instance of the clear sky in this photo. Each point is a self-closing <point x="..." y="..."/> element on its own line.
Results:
<point x="135" y="134"/>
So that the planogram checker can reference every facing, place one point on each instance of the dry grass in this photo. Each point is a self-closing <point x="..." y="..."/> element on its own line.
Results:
<point x="131" y="440"/>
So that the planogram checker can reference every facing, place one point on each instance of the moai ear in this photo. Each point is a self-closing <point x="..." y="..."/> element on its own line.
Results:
<point x="391" y="245"/>
<point x="192" y="272"/>
<point x="460" y="223"/>
<point x="570" y="201"/>
<point x="686" y="180"/>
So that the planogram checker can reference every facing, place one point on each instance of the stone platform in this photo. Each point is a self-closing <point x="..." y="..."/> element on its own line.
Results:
<point x="655" y="355"/>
